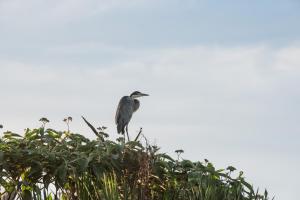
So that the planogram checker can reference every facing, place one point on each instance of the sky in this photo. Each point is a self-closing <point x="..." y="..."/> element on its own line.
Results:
<point x="223" y="76"/>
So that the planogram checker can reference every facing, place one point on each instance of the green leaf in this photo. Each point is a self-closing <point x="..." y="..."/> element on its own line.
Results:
<point x="11" y="135"/>
<point x="26" y="195"/>
<point x="61" y="173"/>
<point x="187" y="164"/>
<point x="230" y="168"/>
<point x="82" y="164"/>
<point x="1" y="157"/>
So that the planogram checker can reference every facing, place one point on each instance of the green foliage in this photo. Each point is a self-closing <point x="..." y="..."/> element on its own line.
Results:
<point x="50" y="164"/>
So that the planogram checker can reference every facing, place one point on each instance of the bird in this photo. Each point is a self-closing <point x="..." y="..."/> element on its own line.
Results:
<point x="126" y="107"/>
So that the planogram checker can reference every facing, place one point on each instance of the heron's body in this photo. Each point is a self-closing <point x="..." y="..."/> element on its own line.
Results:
<point x="127" y="106"/>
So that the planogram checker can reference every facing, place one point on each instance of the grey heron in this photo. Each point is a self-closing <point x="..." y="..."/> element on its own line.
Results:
<point x="127" y="106"/>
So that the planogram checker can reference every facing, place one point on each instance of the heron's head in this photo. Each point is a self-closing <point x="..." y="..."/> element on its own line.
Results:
<point x="137" y="94"/>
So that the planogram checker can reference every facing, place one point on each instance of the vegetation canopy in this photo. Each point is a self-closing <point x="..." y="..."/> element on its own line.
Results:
<point x="47" y="164"/>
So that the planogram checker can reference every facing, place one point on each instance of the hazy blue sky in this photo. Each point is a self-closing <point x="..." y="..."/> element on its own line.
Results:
<point x="223" y="76"/>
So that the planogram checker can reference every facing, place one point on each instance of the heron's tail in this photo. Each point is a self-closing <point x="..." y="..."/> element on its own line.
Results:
<point x="121" y="128"/>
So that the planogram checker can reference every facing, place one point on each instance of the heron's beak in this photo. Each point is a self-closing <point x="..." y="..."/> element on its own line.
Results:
<point x="144" y="94"/>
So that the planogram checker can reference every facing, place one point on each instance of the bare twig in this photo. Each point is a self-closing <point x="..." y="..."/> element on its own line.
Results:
<point x="93" y="129"/>
<point x="138" y="135"/>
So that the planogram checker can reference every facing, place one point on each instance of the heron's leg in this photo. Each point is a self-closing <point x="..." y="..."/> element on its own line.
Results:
<point x="127" y="133"/>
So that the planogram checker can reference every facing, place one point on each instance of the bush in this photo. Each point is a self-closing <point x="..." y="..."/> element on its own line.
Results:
<point x="50" y="164"/>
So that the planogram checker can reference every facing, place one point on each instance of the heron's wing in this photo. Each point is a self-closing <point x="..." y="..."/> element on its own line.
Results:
<point x="124" y="110"/>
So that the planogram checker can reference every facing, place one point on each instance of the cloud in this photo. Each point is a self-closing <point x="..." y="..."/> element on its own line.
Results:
<point x="47" y="13"/>
<point x="288" y="59"/>
<point x="204" y="78"/>
<point x="234" y="105"/>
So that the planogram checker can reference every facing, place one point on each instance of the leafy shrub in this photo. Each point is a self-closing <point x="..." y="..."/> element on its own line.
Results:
<point x="50" y="164"/>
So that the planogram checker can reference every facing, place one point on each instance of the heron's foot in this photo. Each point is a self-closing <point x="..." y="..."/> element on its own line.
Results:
<point x="127" y="134"/>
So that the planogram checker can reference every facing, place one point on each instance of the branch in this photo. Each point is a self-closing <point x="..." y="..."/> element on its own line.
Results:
<point x="93" y="129"/>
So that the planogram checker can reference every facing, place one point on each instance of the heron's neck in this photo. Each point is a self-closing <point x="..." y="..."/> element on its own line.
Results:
<point x="136" y="105"/>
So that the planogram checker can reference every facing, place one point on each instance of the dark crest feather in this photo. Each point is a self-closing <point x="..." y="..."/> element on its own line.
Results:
<point x="135" y="93"/>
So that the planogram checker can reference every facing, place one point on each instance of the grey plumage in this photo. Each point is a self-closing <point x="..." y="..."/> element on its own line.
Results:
<point x="127" y="106"/>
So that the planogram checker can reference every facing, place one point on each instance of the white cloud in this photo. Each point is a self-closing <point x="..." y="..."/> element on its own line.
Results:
<point x="201" y="85"/>
<point x="233" y="105"/>
<point x="47" y="13"/>
<point x="288" y="59"/>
